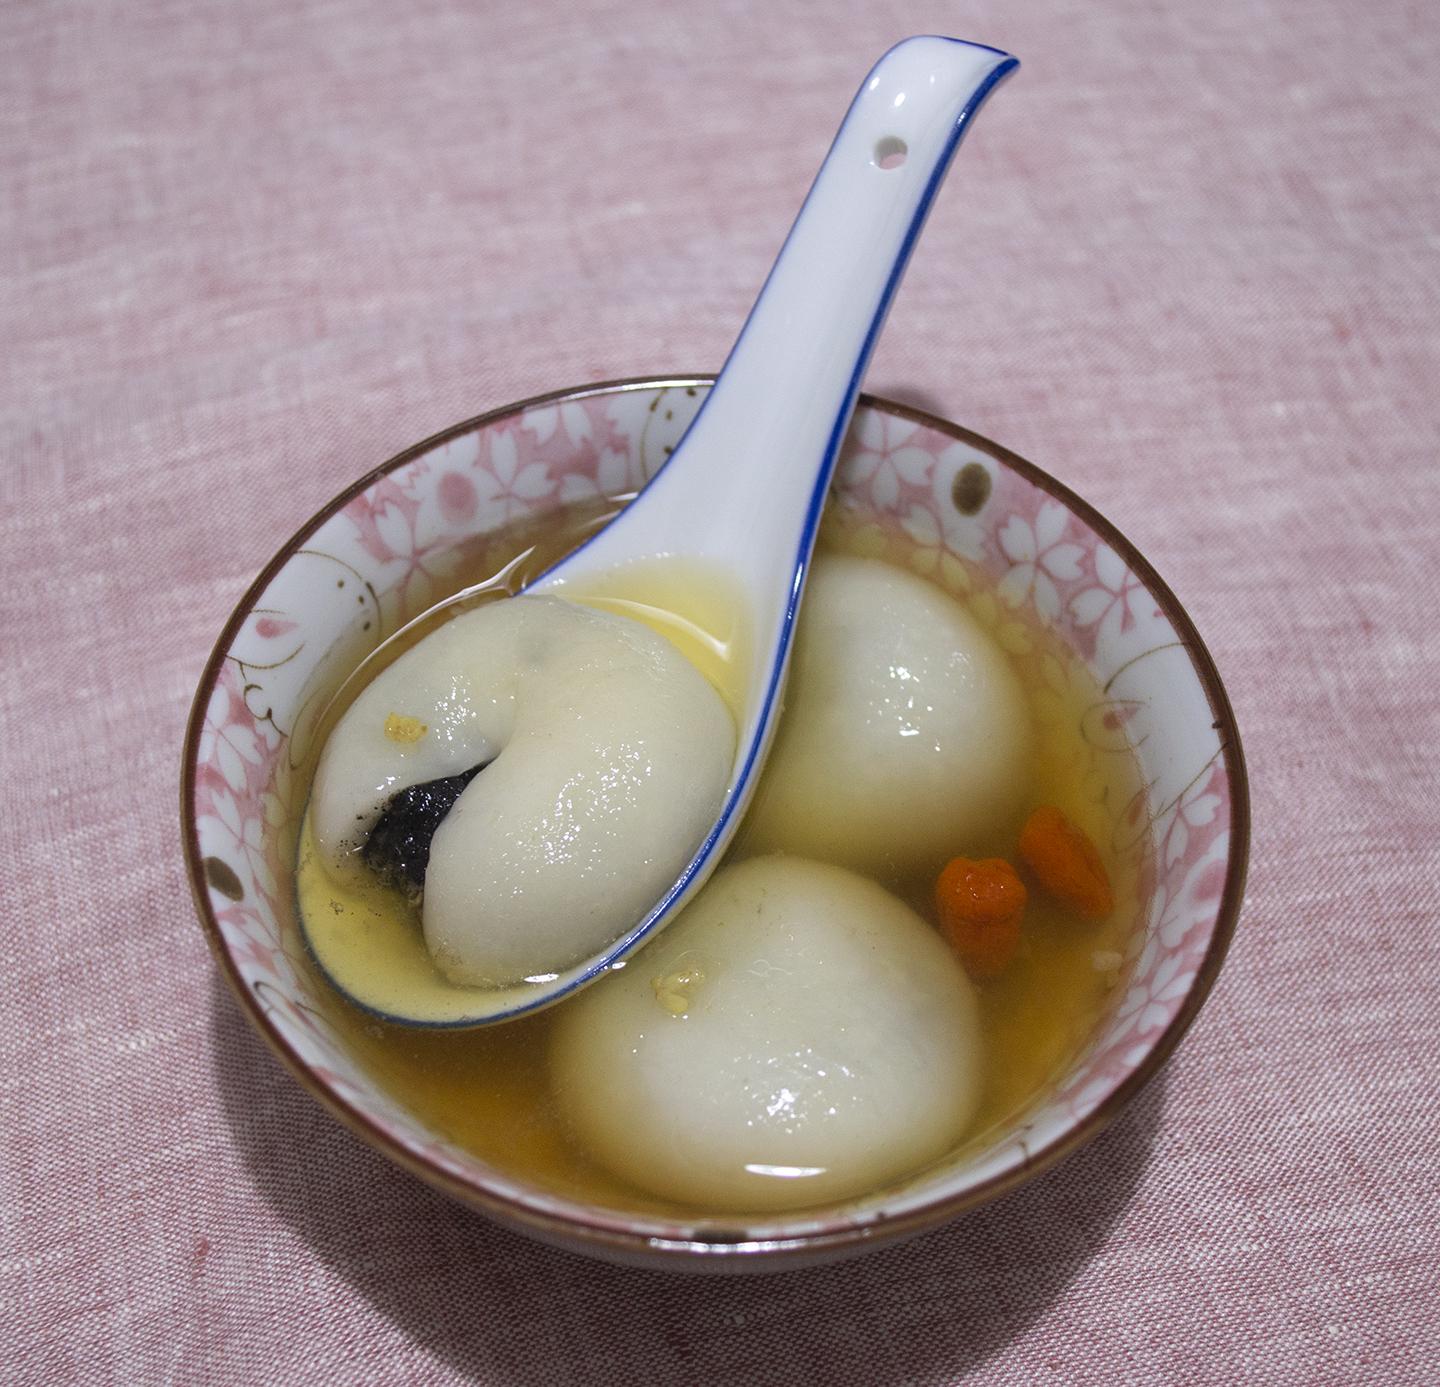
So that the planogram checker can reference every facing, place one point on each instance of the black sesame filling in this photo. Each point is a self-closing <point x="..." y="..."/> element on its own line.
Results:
<point x="398" y="849"/>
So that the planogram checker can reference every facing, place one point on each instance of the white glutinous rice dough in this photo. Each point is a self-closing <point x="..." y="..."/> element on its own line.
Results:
<point x="608" y="758"/>
<point x="906" y="736"/>
<point x="797" y="1036"/>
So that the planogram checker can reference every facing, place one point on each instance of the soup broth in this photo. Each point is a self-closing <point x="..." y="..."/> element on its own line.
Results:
<point x="487" y="1091"/>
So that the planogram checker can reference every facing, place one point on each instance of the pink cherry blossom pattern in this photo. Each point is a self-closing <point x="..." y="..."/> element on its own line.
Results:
<point x="1112" y="608"/>
<point x="515" y="482"/>
<point x="1039" y="556"/>
<point x="932" y="520"/>
<point x="238" y="837"/>
<point x="598" y="460"/>
<point x="233" y="745"/>
<point x="1195" y="809"/>
<point x="237" y="764"/>
<point x="1178" y="908"/>
<point x="387" y="520"/>
<point x="881" y="457"/>
<point x="1161" y="978"/>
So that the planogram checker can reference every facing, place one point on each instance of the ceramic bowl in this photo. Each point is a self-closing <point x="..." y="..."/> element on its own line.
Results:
<point x="1031" y="560"/>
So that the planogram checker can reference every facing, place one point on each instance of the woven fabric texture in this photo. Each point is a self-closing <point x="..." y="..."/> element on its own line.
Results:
<point x="1188" y="261"/>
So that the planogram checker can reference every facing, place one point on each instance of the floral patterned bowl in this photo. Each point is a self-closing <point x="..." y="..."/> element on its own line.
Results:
<point x="1031" y="560"/>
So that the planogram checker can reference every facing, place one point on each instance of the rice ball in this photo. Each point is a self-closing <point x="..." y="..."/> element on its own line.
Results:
<point x="906" y="736"/>
<point x="798" y="1035"/>
<point x="605" y="753"/>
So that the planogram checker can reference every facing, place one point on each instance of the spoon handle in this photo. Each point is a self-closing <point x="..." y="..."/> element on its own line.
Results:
<point x="746" y="484"/>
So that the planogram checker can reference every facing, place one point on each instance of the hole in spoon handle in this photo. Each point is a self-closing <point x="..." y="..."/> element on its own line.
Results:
<point x="890" y="152"/>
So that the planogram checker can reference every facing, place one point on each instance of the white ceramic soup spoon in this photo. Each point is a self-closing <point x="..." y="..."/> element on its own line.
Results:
<point x="737" y="505"/>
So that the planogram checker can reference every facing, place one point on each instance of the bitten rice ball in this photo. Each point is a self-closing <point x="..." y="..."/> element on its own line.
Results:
<point x="605" y="755"/>
<point x="906" y="736"/>
<point x="797" y="1036"/>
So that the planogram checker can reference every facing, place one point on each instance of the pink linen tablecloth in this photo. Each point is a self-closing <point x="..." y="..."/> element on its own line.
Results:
<point x="1188" y="261"/>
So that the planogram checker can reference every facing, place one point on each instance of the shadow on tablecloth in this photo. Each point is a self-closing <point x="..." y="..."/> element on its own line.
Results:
<point x="500" y="1309"/>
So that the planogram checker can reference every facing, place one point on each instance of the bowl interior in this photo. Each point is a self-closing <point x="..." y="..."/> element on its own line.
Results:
<point x="1032" y="562"/>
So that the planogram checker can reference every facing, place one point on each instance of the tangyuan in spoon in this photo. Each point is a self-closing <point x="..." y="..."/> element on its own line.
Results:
<point x="553" y="773"/>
